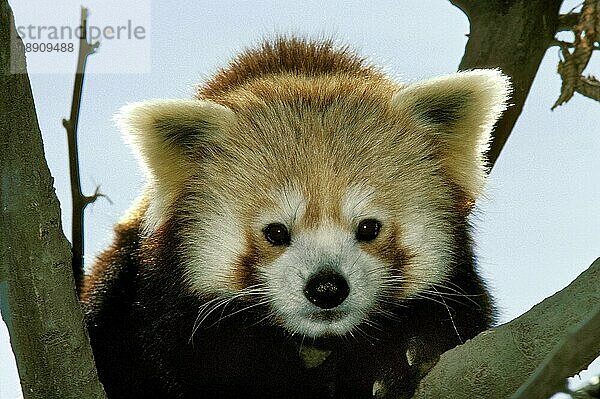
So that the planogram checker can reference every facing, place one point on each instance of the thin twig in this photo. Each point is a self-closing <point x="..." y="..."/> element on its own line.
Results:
<point x="566" y="22"/>
<point x="80" y="201"/>
<point x="562" y="44"/>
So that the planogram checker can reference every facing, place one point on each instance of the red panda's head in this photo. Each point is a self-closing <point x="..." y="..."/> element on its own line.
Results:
<point x="323" y="197"/>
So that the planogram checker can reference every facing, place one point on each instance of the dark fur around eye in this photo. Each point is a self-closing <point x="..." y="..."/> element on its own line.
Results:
<point x="277" y="234"/>
<point x="368" y="229"/>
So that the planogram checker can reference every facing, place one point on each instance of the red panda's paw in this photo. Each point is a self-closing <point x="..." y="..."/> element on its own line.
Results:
<point x="397" y="382"/>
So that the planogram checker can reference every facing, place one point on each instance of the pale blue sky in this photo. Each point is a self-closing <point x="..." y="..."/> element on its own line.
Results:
<point x="539" y="227"/>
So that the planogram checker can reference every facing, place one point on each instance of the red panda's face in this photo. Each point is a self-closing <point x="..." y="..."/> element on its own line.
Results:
<point x="310" y="212"/>
<point x="326" y="209"/>
<point x="325" y="257"/>
<point x="330" y="273"/>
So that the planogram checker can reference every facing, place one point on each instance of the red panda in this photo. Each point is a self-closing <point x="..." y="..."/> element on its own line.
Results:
<point x="304" y="232"/>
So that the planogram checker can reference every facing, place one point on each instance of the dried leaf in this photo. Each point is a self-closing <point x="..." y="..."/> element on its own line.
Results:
<point x="571" y="68"/>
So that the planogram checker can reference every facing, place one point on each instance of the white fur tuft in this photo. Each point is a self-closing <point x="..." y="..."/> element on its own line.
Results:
<point x="155" y="130"/>
<point x="473" y="101"/>
<point x="214" y="243"/>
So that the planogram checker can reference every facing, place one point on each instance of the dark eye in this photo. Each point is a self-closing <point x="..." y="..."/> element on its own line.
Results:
<point x="277" y="234"/>
<point x="368" y="229"/>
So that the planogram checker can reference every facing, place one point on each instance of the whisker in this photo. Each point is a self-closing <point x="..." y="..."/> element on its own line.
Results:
<point x="203" y="313"/>
<point x="451" y="319"/>
<point x="261" y="303"/>
<point x="208" y="308"/>
<point x="270" y="315"/>
<point x="301" y="343"/>
<point x="374" y="325"/>
<point x="454" y="288"/>
<point x="367" y="337"/>
<point x="454" y="294"/>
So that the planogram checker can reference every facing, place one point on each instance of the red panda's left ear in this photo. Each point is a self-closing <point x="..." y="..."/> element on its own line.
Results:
<point x="459" y="112"/>
<point x="168" y="136"/>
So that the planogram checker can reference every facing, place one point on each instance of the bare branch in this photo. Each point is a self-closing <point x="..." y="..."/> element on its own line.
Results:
<point x="562" y="44"/>
<point x="566" y="22"/>
<point x="90" y="199"/>
<point x="512" y="35"/>
<point x="79" y="201"/>
<point x="562" y="363"/>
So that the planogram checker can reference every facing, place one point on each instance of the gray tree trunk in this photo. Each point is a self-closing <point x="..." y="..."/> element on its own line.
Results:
<point x="39" y="303"/>
<point x="512" y="35"/>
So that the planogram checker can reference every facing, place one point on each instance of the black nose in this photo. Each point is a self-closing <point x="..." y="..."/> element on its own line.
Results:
<point x="326" y="289"/>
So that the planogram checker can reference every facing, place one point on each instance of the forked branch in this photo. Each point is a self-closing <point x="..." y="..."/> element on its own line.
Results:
<point x="79" y="200"/>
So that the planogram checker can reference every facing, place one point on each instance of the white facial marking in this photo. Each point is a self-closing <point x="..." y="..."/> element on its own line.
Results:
<point x="214" y="243"/>
<point x="326" y="247"/>
<point x="357" y="204"/>
<point x="426" y="235"/>
<point x="424" y="232"/>
<point x="290" y="206"/>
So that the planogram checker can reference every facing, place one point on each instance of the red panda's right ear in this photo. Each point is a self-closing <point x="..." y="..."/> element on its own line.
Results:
<point x="168" y="136"/>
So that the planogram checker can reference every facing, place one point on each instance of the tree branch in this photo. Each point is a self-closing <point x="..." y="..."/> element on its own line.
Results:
<point x="497" y="362"/>
<point x="563" y="44"/>
<point x="46" y="325"/>
<point x="580" y="342"/>
<point x="512" y="35"/>
<point x="79" y="201"/>
<point x="566" y="22"/>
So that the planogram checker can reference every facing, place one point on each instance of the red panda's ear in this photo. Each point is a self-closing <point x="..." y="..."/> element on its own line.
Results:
<point x="459" y="111"/>
<point x="167" y="136"/>
<point x="167" y="133"/>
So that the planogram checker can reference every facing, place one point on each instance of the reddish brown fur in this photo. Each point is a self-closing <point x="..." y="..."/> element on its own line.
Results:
<point x="126" y="232"/>
<point x="319" y="118"/>
<point x="286" y="55"/>
<point x="257" y="251"/>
